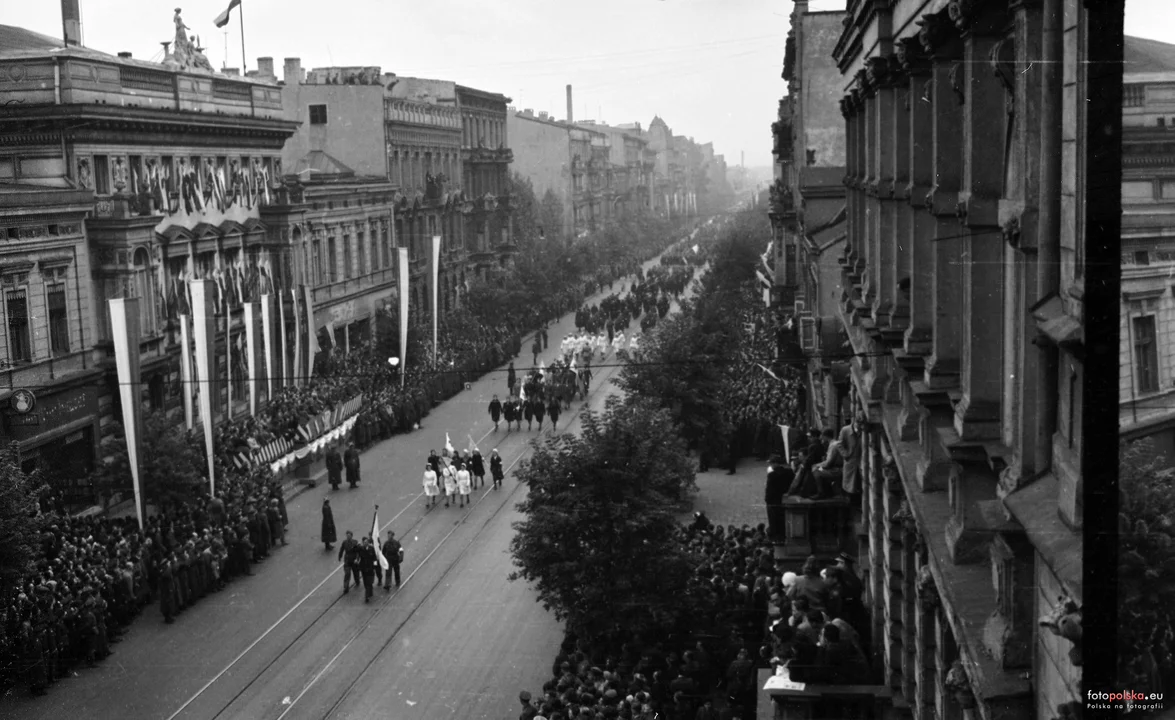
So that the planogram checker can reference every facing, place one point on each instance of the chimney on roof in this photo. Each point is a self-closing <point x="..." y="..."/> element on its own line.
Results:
<point x="544" y="115"/>
<point x="71" y="23"/>
<point x="528" y="112"/>
<point x="125" y="55"/>
<point x="292" y="73"/>
<point x="231" y="72"/>
<point x="265" y="68"/>
<point x="570" y="114"/>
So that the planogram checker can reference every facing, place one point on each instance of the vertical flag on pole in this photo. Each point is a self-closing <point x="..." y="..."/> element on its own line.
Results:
<point x="403" y="268"/>
<point x="297" y="378"/>
<point x="786" y="442"/>
<point x="186" y="368"/>
<point x="251" y="318"/>
<point x="204" y="330"/>
<point x="379" y="553"/>
<point x="267" y="340"/>
<point x="124" y="327"/>
<point x="228" y="360"/>
<point x="434" y="271"/>
<point x="311" y="332"/>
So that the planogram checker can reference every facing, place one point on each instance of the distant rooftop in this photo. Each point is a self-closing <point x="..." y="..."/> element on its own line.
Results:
<point x="1142" y="56"/>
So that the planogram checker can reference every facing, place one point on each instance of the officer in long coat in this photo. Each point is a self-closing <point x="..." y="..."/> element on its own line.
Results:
<point x="167" y="591"/>
<point x="351" y="462"/>
<point x="495" y="411"/>
<point x="334" y="467"/>
<point x="366" y="565"/>
<point x="329" y="534"/>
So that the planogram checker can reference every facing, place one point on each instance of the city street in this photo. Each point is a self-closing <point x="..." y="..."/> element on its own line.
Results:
<point x="456" y="640"/>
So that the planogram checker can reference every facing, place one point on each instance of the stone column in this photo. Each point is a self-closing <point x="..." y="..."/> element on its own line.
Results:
<point x="977" y="416"/>
<point x="872" y="278"/>
<point x="920" y="232"/>
<point x="881" y="189"/>
<point x="899" y="271"/>
<point x="940" y="38"/>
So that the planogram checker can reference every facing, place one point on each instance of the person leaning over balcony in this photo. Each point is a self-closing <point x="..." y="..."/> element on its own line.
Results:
<point x="852" y="437"/>
<point x="810" y="586"/>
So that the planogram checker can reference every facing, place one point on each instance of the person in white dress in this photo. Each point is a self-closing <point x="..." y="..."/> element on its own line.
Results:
<point x="450" y="481"/>
<point x="431" y="487"/>
<point x="463" y="485"/>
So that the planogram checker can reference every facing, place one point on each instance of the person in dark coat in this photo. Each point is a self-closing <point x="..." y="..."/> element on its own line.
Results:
<point x="434" y="461"/>
<point x="536" y="348"/>
<point x="329" y="534"/>
<point x="553" y="410"/>
<point x="810" y="586"/>
<point x="528" y="413"/>
<point x="277" y="531"/>
<point x="394" y="552"/>
<point x="779" y="479"/>
<point x="477" y="467"/>
<point x="496" y="468"/>
<point x="539" y="412"/>
<point x="366" y="564"/>
<point x="509" y="411"/>
<point x="351" y="462"/>
<point x="349" y="554"/>
<point x="495" y="411"/>
<point x="334" y="467"/>
<point x="511" y="378"/>
<point x="167" y="590"/>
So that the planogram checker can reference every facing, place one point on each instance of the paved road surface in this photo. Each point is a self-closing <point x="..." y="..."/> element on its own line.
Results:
<point x="457" y="640"/>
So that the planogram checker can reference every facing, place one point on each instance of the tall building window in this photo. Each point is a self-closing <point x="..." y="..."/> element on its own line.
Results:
<point x="319" y="278"/>
<point x="332" y="259"/>
<point x="1146" y="354"/>
<point x="58" y="319"/>
<point x="318" y="114"/>
<point x="1134" y="95"/>
<point x="346" y="257"/>
<point x="360" y="257"/>
<point x="101" y="175"/>
<point x="16" y="308"/>
<point x="383" y="240"/>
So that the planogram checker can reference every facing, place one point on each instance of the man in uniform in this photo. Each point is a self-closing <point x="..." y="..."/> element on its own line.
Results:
<point x="351" y="462"/>
<point x="348" y="553"/>
<point x="394" y="552"/>
<point x="366" y="566"/>
<point x="334" y="467"/>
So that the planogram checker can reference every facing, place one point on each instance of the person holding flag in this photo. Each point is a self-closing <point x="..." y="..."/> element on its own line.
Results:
<point x="367" y="560"/>
<point x="450" y="478"/>
<point x="381" y="563"/>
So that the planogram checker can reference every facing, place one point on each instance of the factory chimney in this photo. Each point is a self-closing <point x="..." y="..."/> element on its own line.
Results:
<point x="71" y="23"/>
<point x="570" y="115"/>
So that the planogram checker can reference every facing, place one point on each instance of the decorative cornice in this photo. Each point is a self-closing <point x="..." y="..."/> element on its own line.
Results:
<point x="978" y="17"/>
<point x="877" y="69"/>
<point x="1003" y="64"/>
<point x="865" y="84"/>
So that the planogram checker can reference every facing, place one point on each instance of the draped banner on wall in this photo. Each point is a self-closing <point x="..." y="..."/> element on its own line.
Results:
<point x="267" y="342"/>
<point x="311" y="332"/>
<point x="252" y="311"/>
<point x="228" y="362"/>
<point x="403" y="266"/>
<point x="186" y="367"/>
<point x="204" y="332"/>
<point x="433" y="272"/>
<point x="124" y="329"/>
<point x="281" y="340"/>
<point x="297" y="339"/>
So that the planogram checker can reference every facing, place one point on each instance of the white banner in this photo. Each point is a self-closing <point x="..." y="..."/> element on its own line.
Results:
<point x="297" y="340"/>
<point x="267" y="341"/>
<point x="434" y="273"/>
<point x="204" y="332"/>
<point x="252" y="310"/>
<point x="403" y="267"/>
<point x="124" y="329"/>
<point x="228" y="361"/>
<point x="186" y="368"/>
<point x="311" y="332"/>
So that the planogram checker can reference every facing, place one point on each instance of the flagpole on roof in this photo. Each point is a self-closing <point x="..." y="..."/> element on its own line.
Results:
<point x="241" y="15"/>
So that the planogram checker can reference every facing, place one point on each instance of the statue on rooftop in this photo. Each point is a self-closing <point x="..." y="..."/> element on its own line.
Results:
<point x="186" y="54"/>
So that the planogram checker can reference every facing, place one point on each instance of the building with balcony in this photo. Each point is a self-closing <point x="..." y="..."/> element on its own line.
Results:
<point x="486" y="158"/>
<point x="122" y="179"/>
<point x="971" y="137"/>
<point x="809" y="209"/>
<point x="671" y="190"/>
<point x="631" y="168"/>
<point x="1146" y="380"/>
<point x="591" y="179"/>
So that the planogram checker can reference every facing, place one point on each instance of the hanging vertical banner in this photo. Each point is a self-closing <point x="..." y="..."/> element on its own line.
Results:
<point x="403" y="268"/>
<point x="124" y="329"/>
<point x="281" y="339"/>
<point x="311" y="332"/>
<point x="786" y="442"/>
<point x="434" y="271"/>
<point x="252" y="311"/>
<point x="204" y="333"/>
<point x="267" y="342"/>
<point x="186" y="368"/>
<point x="228" y="364"/>
<point x="297" y="339"/>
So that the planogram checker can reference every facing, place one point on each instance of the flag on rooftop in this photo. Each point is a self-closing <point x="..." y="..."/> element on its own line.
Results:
<point x="223" y="18"/>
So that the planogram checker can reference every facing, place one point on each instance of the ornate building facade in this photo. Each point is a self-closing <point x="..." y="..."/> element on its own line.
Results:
<point x="171" y="164"/>
<point x="489" y="228"/>
<point x="1146" y="380"/>
<point x="965" y="285"/>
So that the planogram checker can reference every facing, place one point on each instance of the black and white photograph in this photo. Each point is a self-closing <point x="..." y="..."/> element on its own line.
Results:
<point x="785" y="330"/>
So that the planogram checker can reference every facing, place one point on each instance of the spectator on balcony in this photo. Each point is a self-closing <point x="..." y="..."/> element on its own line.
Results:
<point x="810" y="586"/>
<point x="841" y="662"/>
<point x="852" y="437"/>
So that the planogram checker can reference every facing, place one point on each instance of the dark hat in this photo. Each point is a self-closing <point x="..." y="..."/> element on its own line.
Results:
<point x="846" y="558"/>
<point x="524" y="696"/>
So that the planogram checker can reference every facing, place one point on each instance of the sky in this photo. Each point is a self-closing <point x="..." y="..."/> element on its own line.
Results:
<point x="709" y="68"/>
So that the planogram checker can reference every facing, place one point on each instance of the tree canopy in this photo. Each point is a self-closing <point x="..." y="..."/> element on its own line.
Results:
<point x="1146" y="569"/>
<point x="172" y="468"/>
<point x="21" y="523"/>
<point x="599" y="539"/>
